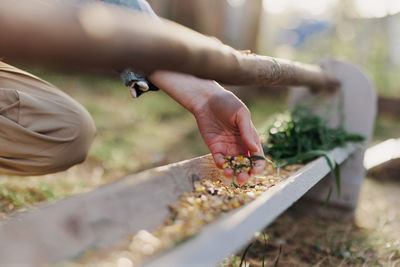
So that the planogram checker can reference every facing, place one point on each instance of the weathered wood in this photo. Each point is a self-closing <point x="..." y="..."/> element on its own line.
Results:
<point x="99" y="218"/>
<point x="100" y="36"/>
<point x="382" y="153"/>
<point x="355" y="103"/>
<point x="231" y="232"/>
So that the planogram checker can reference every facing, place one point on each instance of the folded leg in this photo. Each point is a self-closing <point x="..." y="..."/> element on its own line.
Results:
<point x="42" y="130"/>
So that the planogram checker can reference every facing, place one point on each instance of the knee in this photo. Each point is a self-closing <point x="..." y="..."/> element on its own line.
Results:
<point x="42" y="130"/>
<point x="68" y="142"/>
<point x="85" y="134"/>
<point x="76" y="149"/>
<point x="48" y="146"/>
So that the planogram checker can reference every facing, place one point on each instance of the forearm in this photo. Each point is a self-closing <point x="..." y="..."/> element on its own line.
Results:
<point x="189" y="91"/>
<point x="94" y="36"/>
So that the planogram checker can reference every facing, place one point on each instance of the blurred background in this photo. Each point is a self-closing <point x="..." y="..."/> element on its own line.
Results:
<point x="153" y="130"/>
<point x="365" y="32"/>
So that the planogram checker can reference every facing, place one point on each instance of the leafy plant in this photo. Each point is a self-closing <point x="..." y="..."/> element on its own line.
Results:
<point x="298" y="138"/>
<point x="302" y="137"/>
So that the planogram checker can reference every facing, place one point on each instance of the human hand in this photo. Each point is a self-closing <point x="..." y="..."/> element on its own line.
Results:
<point x="225" y="125"/>
<point x="223" y="120"/>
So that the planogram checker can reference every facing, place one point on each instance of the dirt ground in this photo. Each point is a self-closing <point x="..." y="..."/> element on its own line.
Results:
<point x="310" y="238"/>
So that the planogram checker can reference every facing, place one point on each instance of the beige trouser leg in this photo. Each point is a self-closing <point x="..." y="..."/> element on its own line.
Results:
<point x="42" y="130"/>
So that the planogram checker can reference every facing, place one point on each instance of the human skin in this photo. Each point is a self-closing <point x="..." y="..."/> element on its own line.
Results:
<point x="223" y="119"/>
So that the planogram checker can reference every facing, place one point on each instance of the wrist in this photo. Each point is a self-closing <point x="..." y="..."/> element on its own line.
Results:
<point x="203" y="94"/>
<point x="191" y="92"/>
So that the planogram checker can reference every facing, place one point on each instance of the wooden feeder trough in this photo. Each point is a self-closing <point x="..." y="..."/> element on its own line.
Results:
<point x="98" y="219"/>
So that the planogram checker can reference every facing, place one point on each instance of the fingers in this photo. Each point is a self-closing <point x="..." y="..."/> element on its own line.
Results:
<point x="247" y="140"/>
<point x="219" y="160"/>
<point x="250" y="142"/>
<point x="259" y="166"/>
<point x="242" y="177"/>
<point x="228" y="172"/>
<point x="247" y="130"/>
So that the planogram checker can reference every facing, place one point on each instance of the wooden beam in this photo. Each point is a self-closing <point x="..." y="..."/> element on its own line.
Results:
<point x="100" y="36"/>
<point x="231" y="232"/>
<point x="100" y="218"/>
<point x="382" y="153"/>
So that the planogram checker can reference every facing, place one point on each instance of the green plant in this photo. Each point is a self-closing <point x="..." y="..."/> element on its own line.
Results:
<point x="302" y="137"/>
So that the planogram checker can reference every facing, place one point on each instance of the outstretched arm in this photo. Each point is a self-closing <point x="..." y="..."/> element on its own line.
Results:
<point x="223" y="120"/>
<point x="77" y="36"/>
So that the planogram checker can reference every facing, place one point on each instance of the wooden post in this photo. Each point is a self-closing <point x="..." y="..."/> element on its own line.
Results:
<point x="356" y="104"/>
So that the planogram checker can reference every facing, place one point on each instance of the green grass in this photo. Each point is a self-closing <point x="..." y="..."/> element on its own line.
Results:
<point x="16" y="197"/>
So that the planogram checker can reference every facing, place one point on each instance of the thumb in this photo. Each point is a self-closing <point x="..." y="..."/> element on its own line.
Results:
<point x="246" y="129"/>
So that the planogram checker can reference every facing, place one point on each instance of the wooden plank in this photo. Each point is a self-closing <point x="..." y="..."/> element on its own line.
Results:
<point x="100" y="218"/>
<point x="229" y="233"/>
<point x="381" y="153"/>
